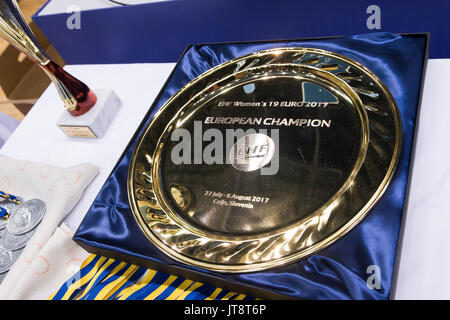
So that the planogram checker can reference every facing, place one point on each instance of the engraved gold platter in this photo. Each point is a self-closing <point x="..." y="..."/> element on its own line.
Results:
<point x="329" y="136"/>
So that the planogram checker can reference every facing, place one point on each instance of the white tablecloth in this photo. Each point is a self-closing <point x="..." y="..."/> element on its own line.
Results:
<point x="39" y="139"/>
<point x="425" y="257"/>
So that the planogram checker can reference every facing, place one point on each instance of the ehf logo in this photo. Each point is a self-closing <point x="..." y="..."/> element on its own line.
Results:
<point x="252" y="152"/>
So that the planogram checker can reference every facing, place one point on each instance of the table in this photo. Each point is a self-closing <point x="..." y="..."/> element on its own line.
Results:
<point x="425" y="256"/>
<point x="39" y="139"/>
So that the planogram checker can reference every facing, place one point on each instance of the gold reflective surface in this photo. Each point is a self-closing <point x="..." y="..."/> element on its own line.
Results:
<point x="320" y="192"/>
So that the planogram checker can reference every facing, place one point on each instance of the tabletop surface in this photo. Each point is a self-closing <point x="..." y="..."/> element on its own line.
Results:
<point x="424" y="258"/>
<point x="39" y="139"/>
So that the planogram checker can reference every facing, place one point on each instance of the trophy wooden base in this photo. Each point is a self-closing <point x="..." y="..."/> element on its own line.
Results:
<point x="96" y="121"/>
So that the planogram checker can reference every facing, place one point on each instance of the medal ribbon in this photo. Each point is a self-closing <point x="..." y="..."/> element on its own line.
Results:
<point x="9" y="197"/>
<point x="3" y="213"/>
<point x="101" y="278"/>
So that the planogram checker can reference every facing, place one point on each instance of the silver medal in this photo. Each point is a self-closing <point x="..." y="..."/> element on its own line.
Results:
<point x="10" y="258"/>
<point x="9" y="206"/>
<point x="6" y="260"/>
<point x="26" y="216"/>
<point x="2" y="276"/>
<point x="13" y="242"/>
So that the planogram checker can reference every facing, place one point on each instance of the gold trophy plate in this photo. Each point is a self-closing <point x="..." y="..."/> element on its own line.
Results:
<point x="324" y="147"/>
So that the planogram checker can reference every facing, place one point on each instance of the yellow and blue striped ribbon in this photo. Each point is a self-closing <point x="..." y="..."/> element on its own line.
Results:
<point x="101" y="278"/>
<point x="136" y="287"/>
<point x="108" y="288"/>
<point x="79" y="280"/>
<point x="150" y="287"/>
<point x="103" y="271"/>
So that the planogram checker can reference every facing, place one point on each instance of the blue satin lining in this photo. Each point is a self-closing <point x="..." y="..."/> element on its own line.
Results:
<point x="339" y="271"/>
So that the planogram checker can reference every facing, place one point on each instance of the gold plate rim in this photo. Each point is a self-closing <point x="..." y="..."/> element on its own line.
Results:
<point x="313" y="248"/>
